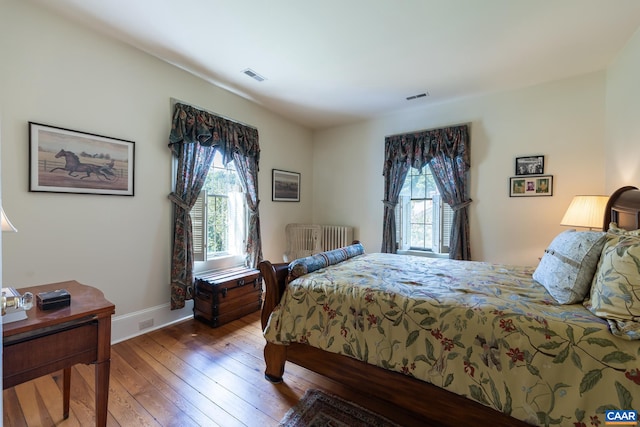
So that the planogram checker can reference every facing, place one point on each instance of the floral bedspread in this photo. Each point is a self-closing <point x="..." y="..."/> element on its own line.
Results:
<point x="485" y="331"/>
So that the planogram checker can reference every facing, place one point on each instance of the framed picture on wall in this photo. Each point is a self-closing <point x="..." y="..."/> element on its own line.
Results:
<point x="286" y="186"/>
<point x="67" y="161"/>
<point x="531" y="165"/>
<point x="531" y="186"/>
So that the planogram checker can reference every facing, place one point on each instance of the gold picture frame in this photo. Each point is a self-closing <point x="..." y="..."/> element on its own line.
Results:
<point x="531" y="186"/>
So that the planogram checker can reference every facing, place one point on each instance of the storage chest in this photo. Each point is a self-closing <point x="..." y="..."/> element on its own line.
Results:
<point x="226" y="295"/>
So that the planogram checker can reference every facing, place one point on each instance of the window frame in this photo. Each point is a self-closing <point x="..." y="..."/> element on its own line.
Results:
<point x="204" y="260"/>
<point x="441" y="217"/>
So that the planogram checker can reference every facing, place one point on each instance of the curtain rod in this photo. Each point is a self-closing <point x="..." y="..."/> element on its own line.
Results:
<point x="175" y="100"/>
<point x="427" y="130"/>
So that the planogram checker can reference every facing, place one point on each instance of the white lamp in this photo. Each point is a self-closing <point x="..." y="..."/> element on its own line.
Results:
<point x="586" y="211"/>
<point x="16" y="301"/>
<point x="6" y="224"/>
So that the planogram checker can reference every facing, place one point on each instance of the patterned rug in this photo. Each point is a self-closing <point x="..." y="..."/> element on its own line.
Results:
<point x="319" y="409"/>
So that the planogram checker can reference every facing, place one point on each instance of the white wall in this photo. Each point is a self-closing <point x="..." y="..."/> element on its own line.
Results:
<point x="623" y="117"/>
<point x="563" y="120"/>
<point x="59" y="73"/>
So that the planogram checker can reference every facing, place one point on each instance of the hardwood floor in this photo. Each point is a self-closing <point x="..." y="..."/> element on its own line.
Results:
<point x="187" y="374"/>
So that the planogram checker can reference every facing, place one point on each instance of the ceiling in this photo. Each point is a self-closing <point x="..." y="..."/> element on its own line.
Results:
<point x="331" y="62"/>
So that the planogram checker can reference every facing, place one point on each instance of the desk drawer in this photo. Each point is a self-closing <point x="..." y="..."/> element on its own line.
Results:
<point x="26" y="360"/>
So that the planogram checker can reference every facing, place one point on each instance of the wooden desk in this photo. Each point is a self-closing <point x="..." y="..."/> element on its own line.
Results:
<point x="48" y="341"/>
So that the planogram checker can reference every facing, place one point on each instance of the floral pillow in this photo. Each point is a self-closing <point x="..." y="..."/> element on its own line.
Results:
<point x="615" y="292"/>
<point x="302" y="266"/>
<point x="569" y="263"/>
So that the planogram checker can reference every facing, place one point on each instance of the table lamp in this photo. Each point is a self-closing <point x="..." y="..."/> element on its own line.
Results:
<point x="586" y="211"/>
<point x="6" y="224"/>
<point x="8" y="299"/>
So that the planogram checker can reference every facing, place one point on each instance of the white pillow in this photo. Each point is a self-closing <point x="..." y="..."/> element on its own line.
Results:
<point x="569" y="264"/>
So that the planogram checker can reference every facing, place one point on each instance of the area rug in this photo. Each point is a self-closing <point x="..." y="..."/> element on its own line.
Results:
<point x="319" y="409"/>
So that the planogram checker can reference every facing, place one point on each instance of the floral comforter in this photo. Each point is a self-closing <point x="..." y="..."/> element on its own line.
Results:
<point x="485" y="331"/>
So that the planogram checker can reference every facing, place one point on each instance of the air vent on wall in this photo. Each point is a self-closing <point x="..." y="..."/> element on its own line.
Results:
<point x="249" y="72"/>
<point x="420" y="95"/>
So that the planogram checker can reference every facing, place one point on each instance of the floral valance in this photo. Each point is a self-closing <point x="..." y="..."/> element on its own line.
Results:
<point x="418" y="148"/>
<point x="193" y="125"/>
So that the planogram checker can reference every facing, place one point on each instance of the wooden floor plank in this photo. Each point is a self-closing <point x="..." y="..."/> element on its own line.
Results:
<point x="82" y="407"/>
<point x="12" y="414"/>
<point x="193" y="371"/>
<point x="172" y="388"/>
<point x="162" y="409"/>
<point x="35" y="411"/>
<point x="187" y="374"/>
<point x="51" y="395"/>
<point x="123" y="406"/>
<point x="217" y="364"/>
<point x="201" y="401"/>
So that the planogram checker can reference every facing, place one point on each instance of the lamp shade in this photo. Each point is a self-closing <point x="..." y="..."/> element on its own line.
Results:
<point x="586" y="211"/>
<point x="4" y="221"/>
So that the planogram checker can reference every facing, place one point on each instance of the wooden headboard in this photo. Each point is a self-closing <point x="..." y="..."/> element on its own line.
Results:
<point x="623" y="208"/>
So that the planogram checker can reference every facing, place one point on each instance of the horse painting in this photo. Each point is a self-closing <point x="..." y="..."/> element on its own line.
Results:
<point x="73" y="165"/>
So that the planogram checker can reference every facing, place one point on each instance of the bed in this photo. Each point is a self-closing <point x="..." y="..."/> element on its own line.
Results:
<point x="470" y="343"/>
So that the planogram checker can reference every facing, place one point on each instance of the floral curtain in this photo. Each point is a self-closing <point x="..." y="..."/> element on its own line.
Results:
<point x="394" y="173"/>
<point x="195" y="137"/>
<point x="247" y="167"/>
<point x="446" y="151"/>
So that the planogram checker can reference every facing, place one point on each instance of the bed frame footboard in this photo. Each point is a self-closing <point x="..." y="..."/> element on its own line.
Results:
<point x="275" y="356"/>
<point x="432" y="404"/>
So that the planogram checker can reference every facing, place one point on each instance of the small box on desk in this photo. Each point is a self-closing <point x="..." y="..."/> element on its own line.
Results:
<point x="53" y="299"/>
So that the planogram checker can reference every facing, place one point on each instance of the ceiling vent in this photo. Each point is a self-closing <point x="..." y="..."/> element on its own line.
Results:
<point x="420" y="95"/>
<point x="249" y="72"/>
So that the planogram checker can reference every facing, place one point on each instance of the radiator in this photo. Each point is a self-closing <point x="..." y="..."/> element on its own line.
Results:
<point x="336" y="236"/>
<point x="302" y="240"/>
<point x="309" y="239"/>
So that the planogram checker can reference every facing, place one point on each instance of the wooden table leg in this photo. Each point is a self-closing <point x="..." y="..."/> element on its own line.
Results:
<point x="103" y="366"/>
<point x="102" y="392"/>
<point x="66" y="391"/>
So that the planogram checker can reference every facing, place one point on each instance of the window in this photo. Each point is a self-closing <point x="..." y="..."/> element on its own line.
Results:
<point x="423" y="220"/>
<point x="219" y="219"/>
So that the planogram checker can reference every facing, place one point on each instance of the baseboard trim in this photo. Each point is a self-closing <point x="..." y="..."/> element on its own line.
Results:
<point x="140" y="322"/>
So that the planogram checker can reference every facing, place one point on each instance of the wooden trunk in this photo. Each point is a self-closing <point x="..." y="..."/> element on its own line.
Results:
<point x="226" y="295"/>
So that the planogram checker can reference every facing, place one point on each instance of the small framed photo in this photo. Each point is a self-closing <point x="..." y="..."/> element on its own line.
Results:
<point x="286" y="186"/>
<point x="531" y="186"/>
<point x="531" y="165"/>
<point x="68" y="161"/>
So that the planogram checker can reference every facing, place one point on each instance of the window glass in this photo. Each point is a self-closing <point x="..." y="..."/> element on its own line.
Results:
<point x="418" y="185"/>
<point x="224" y="217"/>
<point x="221" y="186"/>
<point x="422" y="219"/>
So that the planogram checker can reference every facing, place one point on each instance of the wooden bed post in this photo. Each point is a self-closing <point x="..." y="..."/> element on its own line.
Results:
<point x="626" y="203"/>
<point x="275" y="356"/>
